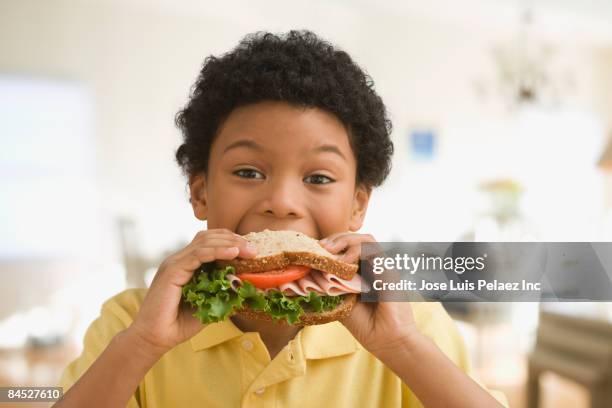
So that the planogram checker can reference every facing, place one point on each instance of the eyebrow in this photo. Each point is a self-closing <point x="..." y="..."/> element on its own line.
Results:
<point x="251" y="144"/>
<point x="330" y="149"/>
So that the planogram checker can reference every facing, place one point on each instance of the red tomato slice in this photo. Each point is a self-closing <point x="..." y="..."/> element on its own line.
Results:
<point x="274" y="278"/>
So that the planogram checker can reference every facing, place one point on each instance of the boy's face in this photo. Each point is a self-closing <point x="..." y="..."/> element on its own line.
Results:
<point x="281" y="167"/>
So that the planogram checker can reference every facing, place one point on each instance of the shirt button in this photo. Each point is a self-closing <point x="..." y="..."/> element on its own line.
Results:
<point x="247" y="345"/>
<point x="260" y="391"/>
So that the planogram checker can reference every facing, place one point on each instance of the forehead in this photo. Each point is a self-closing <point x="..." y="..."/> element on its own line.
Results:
<point x="281" y="128"/>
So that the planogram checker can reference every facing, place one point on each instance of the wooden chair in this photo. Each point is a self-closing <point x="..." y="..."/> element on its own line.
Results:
<point x="576" y="348"/>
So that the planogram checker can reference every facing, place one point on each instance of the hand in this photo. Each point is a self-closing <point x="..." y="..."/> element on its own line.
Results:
<point x="378" y="326"/>
<point x="163" y="321"/>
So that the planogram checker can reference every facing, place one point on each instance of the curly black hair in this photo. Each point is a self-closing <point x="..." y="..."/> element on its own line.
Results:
<point x="298" y="68"/>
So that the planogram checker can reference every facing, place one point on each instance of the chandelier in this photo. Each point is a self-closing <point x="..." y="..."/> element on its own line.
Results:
<point x="526" y="71"/>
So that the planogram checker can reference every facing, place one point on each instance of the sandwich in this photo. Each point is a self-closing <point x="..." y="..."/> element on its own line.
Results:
<point x="292" y="280"/>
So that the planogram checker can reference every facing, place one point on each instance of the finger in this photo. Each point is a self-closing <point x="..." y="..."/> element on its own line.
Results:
<point x="351" y="237"/>
<point x="216" y="237"/>
<point x="352" y="255"/>
<point x="246" y="248"/>
<point x="200" y="238"/>
<point x="345" y="240"/>
<point x="337" y="246"/>
<point x="335" y="243"/>
<point x="178" y="271"/>
<point x="332" y="237"/>
<point x="209" y="254"/>
<point x="210" y="241"/>
<point x="197" y="256"/>
<point x="216" y="233"/>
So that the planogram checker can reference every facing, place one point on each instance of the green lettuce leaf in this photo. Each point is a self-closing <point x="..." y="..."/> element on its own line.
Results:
<point x="210" y="293"/>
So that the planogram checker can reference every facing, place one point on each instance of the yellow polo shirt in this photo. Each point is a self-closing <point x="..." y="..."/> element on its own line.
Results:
<point x="222" y="366"/>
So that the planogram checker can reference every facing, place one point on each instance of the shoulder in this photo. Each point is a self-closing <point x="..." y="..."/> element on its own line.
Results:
<point x="124" y="305"/>
<point x="116" y="314"/>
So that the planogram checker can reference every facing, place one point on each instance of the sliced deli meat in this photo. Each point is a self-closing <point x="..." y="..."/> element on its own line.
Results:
<point x="292" y="289"/>
<point x="308" y="284"/>
<point x="316" y="281"/>
<point x="333" y="286"/>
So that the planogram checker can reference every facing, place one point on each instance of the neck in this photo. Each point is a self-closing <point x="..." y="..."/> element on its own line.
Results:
<point x="274" y="335"/>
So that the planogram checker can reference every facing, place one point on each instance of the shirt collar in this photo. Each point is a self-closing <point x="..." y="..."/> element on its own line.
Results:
<point x="327" y="340"/>
<point x="318" y="342"/>
<point x="215" y="333"/>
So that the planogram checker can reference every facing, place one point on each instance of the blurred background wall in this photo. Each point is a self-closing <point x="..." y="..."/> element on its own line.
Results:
<point x="502" y="111"/>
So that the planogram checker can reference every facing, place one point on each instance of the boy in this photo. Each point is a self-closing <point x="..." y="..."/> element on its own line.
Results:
<point x="284" y="133"/>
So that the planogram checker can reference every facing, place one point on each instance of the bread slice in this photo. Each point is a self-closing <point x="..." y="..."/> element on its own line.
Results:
<point x="278" y="249"/>
<point x="308" y="318"/>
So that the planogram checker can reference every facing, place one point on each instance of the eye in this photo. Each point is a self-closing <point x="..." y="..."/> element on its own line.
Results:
<point x="248" y="173"/>
<point x="320" y="177"/>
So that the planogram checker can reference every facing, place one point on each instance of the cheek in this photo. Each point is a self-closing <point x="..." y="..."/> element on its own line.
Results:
<point x="334" y="212"/>
<point x="226" y="201"/>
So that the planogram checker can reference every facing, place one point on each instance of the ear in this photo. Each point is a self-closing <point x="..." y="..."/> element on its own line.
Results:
<point x="198" y="200"/>
<point x="360" y="205"/>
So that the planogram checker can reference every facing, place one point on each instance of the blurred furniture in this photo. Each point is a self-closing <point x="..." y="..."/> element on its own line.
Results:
<point x="35" y="366"/>
<point x="480" y="315"/>
<point x="575" y="347"/>
<point x="136" y="264"/>
<point x="605" y="161"/>
<point x="605" y="165"/>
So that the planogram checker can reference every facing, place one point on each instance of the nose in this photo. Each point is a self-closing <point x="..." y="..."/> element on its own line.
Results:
<point x="283" y="198"/>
